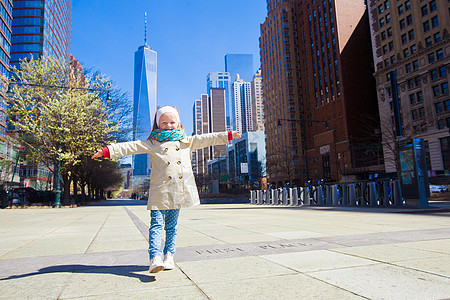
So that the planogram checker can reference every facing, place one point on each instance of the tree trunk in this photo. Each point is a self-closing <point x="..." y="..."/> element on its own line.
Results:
<point x="75" y="188"/>
<point x="66" y="188"/>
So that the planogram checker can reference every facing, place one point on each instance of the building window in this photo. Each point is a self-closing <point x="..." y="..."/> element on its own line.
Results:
<point x="424" y="10"/>
<point x="408" y="66"/>
<point x="419" y="96"/>
<point x="404" y="39"/>
<point x="380" y="9"/>
<point x="382" y="22"/>
<point x="434" y="74"/>
<point x="434" y="21"/>
<point x="433" y="5"/>
<point x="428" y="41"/>
<point x="385" y="49"/>
<point x="414" y="114"/>
<point x="440" y="54"/>
<point x="438" y="107"/>
<point x="400" y="10"/>
<point x="415" y="65"/>
<point x="413" y="49"/>
<point x="389" y="31"/>
<point x="437" y="37"/>
<point x="417" y="80"/>
<point x="435" y="91"/>
<point x="431" y="58"/>
<point x="410" y="83"/>
<point x="388" y="18"/>
<point x="411" y="34"/>
<point x="447" y="105"/>
<point x="386" y="62"/>
<point x="409" y="20"/>
<point x="442" y="71"/>
<point x="391" y="46"/>
<point x="392" y="59"/>
<point x="386" y="4"/>
<point x="426" y="26"/>
<point x="412" y="99"/>
<point x="402" y="24"/>
<point x="383" y="35"/>
<point x="422" y="113"/>
<point x="440" y="124"/>
<point x="444" y="88"/>
<point x="408" y="5"/>
<point x="406" y="54"/>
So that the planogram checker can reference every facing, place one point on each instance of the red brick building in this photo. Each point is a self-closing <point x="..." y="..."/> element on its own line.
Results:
<point x="319" y="92"/>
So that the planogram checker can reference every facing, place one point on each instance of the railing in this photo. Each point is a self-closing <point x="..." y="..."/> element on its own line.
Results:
<point x="382" y="193"/>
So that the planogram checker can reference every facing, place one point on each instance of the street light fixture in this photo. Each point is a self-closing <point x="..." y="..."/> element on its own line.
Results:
<point x="10" y="93"/>
<point x="302" y="122"/>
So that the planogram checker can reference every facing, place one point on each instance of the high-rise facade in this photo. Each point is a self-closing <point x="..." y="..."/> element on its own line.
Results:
<point x="412" y="38"/>
<point x="241" y="64"/>
<point x="145" y="104"/>
<point x="317" y="87"/>
<point x="222" y="80"/>
<point x="209" y="116"/>
<point x="5" y="48"/>
<point x="41" y="28"/>
<point x="241" y="91"/>
<point x="257" y="103"/>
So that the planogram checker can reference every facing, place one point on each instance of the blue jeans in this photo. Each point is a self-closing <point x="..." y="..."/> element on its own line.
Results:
<point x="168" y="218"/>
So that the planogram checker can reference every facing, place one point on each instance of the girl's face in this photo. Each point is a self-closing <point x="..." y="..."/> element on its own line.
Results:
<point x="168" y="121"/>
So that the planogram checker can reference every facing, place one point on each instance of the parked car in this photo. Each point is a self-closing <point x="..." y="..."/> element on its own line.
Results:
<point x="434" y="188"/>
<point x="24" y="196"/>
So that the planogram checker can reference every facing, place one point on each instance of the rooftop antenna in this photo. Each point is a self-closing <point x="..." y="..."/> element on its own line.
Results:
<point x="145" y="30"/>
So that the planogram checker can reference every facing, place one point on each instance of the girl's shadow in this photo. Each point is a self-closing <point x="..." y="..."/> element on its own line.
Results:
<point x="128" y="271"/>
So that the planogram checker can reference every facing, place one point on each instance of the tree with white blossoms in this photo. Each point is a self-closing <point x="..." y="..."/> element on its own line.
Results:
<point x="59" y="115"/>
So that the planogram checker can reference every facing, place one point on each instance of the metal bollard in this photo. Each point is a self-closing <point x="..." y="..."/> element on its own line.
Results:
<point x="334" y="195"/>
<point x="385" y="194"/>
<point x="275" y="198"/>
<point x="294" y="197"/>
<point x="319" y="195"/>
<point x="252" y="197"/>
<point x="344" y="195"/>
<point x="373" y="195"/>
<point x="306" y="197"/>
<point x="260" y="197"/>
<point x="397" y="192"/>
<point x="272" y="197"/>
<point x="352" y="194"/>
<point x="284" y="196"/>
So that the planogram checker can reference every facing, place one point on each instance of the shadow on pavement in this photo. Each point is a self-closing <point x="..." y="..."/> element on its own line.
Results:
<point x="120" y="202"/>
<point x="128" y="271"/>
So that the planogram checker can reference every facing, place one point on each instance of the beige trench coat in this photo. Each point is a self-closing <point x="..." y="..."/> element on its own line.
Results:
<point x="172" y="183"/>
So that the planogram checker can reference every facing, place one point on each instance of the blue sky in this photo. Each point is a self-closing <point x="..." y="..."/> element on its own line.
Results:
<point x="191" y="38"/>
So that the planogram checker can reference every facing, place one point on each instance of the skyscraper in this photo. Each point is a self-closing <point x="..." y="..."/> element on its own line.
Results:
<point x="41" y="28"/>
<point x="257" y="103"/>
<point x="222" y="80"/>
<point x="241" y="91"/>
<point x="209" y="116"/>
<point x="317" y="87"/>
<point x="411" y="37"/>
<point x="144" y="100"/>
<point x="241" y="64"/>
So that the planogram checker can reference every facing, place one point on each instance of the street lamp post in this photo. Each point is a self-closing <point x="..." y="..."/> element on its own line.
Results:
<point x="9" y="92"/>
<point x="303" y="122"/>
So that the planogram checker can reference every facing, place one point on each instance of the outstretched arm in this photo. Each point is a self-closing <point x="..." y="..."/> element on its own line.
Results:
<point x="123" y="149"/>
<point x="210" y="139"/>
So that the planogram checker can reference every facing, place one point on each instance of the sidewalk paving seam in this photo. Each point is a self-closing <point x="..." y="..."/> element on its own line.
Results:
<point x="98" y="231"/>
<point x="312" y="277"/>
<point x="141" y="226"/>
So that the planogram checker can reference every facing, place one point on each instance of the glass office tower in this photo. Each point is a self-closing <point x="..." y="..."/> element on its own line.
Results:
<point x="145" y="71"/>
<point x="241" y="64"/>
<point x="41" y="27"/>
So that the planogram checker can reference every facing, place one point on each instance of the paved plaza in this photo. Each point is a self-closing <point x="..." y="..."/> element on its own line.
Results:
<point x="227" y="251"/>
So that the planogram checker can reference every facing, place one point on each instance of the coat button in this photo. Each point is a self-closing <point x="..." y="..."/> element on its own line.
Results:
<point x="180" y="177"/>
<point x="167" y="163"/>
<point x="177" y="148"/>
<point x="178" y="162"/>
<point x="170" y="177"/>
<point x="165" y="150"/>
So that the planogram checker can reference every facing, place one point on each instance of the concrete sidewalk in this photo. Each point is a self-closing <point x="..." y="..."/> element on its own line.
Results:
<point x="233" y="251"/>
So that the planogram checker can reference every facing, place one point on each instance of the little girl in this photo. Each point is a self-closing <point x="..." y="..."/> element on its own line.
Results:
<point x="172" y="182"/>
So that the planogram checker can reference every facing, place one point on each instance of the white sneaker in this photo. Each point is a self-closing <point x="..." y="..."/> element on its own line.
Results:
<point x="168" y="261"/>
<point x="156" y="265"/>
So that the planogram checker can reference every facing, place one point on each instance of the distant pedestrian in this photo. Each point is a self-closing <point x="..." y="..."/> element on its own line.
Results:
<point x="172" y="183"/>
